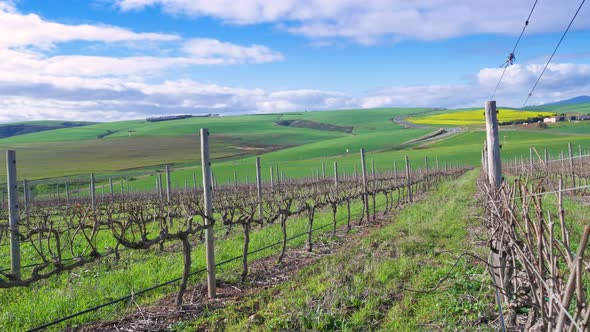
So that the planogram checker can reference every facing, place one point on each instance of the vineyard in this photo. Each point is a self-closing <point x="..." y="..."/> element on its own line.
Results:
<point x="128" y="239"/>
<point x="537" y="251"/>
<point x="59" y="235"/>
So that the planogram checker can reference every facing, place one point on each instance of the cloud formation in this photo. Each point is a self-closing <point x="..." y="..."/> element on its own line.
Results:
<point x="39" y="83"/>
<point x="100" y="99"/>
<point x="371" y="21"/>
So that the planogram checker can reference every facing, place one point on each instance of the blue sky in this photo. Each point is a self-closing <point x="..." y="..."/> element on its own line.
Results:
<point x="120" y="59"/>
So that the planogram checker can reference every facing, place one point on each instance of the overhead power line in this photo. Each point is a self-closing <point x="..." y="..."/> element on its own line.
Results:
<point x="554" y="51"/>
<point x="512" y="57"/>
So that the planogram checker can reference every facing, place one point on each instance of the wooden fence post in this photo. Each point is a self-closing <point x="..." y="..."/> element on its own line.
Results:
<point x="395" y="172"/>
<point x="160" y="189"/>
<point x="168" y="184"/>
<point x="272" y="181"/>
<point x="493" y="145"/>
<point x="545" y="156"/>
<point x="67" y="191"/>
<point x="12" y="187"/>
<point x="571" y="159"/>
<point x="408" y="179"/>
<point x="208" y="202"/>
<point x="259" y="189"/>
<point x="111" y="189"/>
<point x="365" y="187"/>
<point x="92" y="191"/>
<point x="531" y="164"/>
<point x="336" y="174"/>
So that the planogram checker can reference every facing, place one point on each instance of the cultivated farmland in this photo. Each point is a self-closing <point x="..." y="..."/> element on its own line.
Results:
<point x="87" y="244"/>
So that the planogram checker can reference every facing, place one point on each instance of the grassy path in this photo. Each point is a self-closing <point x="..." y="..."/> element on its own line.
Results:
<point x="371" y="282"/>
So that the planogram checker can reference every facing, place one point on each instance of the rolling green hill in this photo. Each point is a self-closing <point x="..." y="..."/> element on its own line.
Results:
<point x="116" y="146"/>
<point x="22" y="128"/>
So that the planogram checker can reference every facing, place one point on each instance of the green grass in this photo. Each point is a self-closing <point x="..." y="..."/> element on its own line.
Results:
<point x="370" y="291"/>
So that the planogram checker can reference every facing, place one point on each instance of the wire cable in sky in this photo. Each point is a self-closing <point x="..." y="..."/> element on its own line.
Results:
<point x="511" y="56"/>
<point x="553" y="54"/>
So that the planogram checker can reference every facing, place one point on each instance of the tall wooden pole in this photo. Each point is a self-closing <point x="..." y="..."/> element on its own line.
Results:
<point x="336" y="174"/>
<point x="168" y="184"/>
<point x="208" y="202"/>
<point x="365" y="187"/>
<point x="259" y="189"/>
<point x="408" y="179"/>
<point x="272" y="180"/>
<point x="67" y="191"/>
<point x="111" y="189"/>
<point x="13" y="213"/>
<point x="493" y="144"/>
<point x="571" y="158"/>
<point x="92" y="191"/>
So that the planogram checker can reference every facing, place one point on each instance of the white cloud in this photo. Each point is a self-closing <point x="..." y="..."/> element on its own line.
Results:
<point x="98" y="98"/>
<point x="230" y="53"/>
<point x="374" y="20"/>
<point x="19" y="30"/>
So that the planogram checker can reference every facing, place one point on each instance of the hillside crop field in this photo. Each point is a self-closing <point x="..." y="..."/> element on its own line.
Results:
<point x="475" y="117"/>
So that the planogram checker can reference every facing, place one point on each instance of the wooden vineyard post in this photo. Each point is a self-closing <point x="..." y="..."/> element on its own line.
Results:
<point x="336" y="174"/>
<point x="498" y="257"/>
<point x="235" y="179"/>
<point x="373" y="169"/>
<point x="493" y="145"/>
<point x="111" y="189"/>
<point x="92" y="191"/>
<point x="278" y="177"/>
<point x="160" y="189"/>
<point x="208" y="203"/>
<point x="323" y="169"/>
<point x="67" y="191"/>
<point x="408" y="179"/>
<point x="259" y="189"/>
<point x="13" y="213"/>
<point x="272" y="181"/>
<point x="545" y="156"/>
<point x="195" y="180"/>
<point x="426" y="165"/>
<point x="531" y="165"/>
<point x="571" y="159"/>
<point x="365" y="187"/>
<point x="395" y="172"/>
<point x="168" y="184"/>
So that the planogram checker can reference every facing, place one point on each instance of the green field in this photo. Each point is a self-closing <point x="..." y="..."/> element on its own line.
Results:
<point x="235" y="140"/>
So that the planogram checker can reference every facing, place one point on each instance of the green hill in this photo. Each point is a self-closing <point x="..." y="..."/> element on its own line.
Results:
<point x="22" y="128"/>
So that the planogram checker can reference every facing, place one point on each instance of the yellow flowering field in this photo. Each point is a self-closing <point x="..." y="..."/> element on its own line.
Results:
<point x="475" y="117"/>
